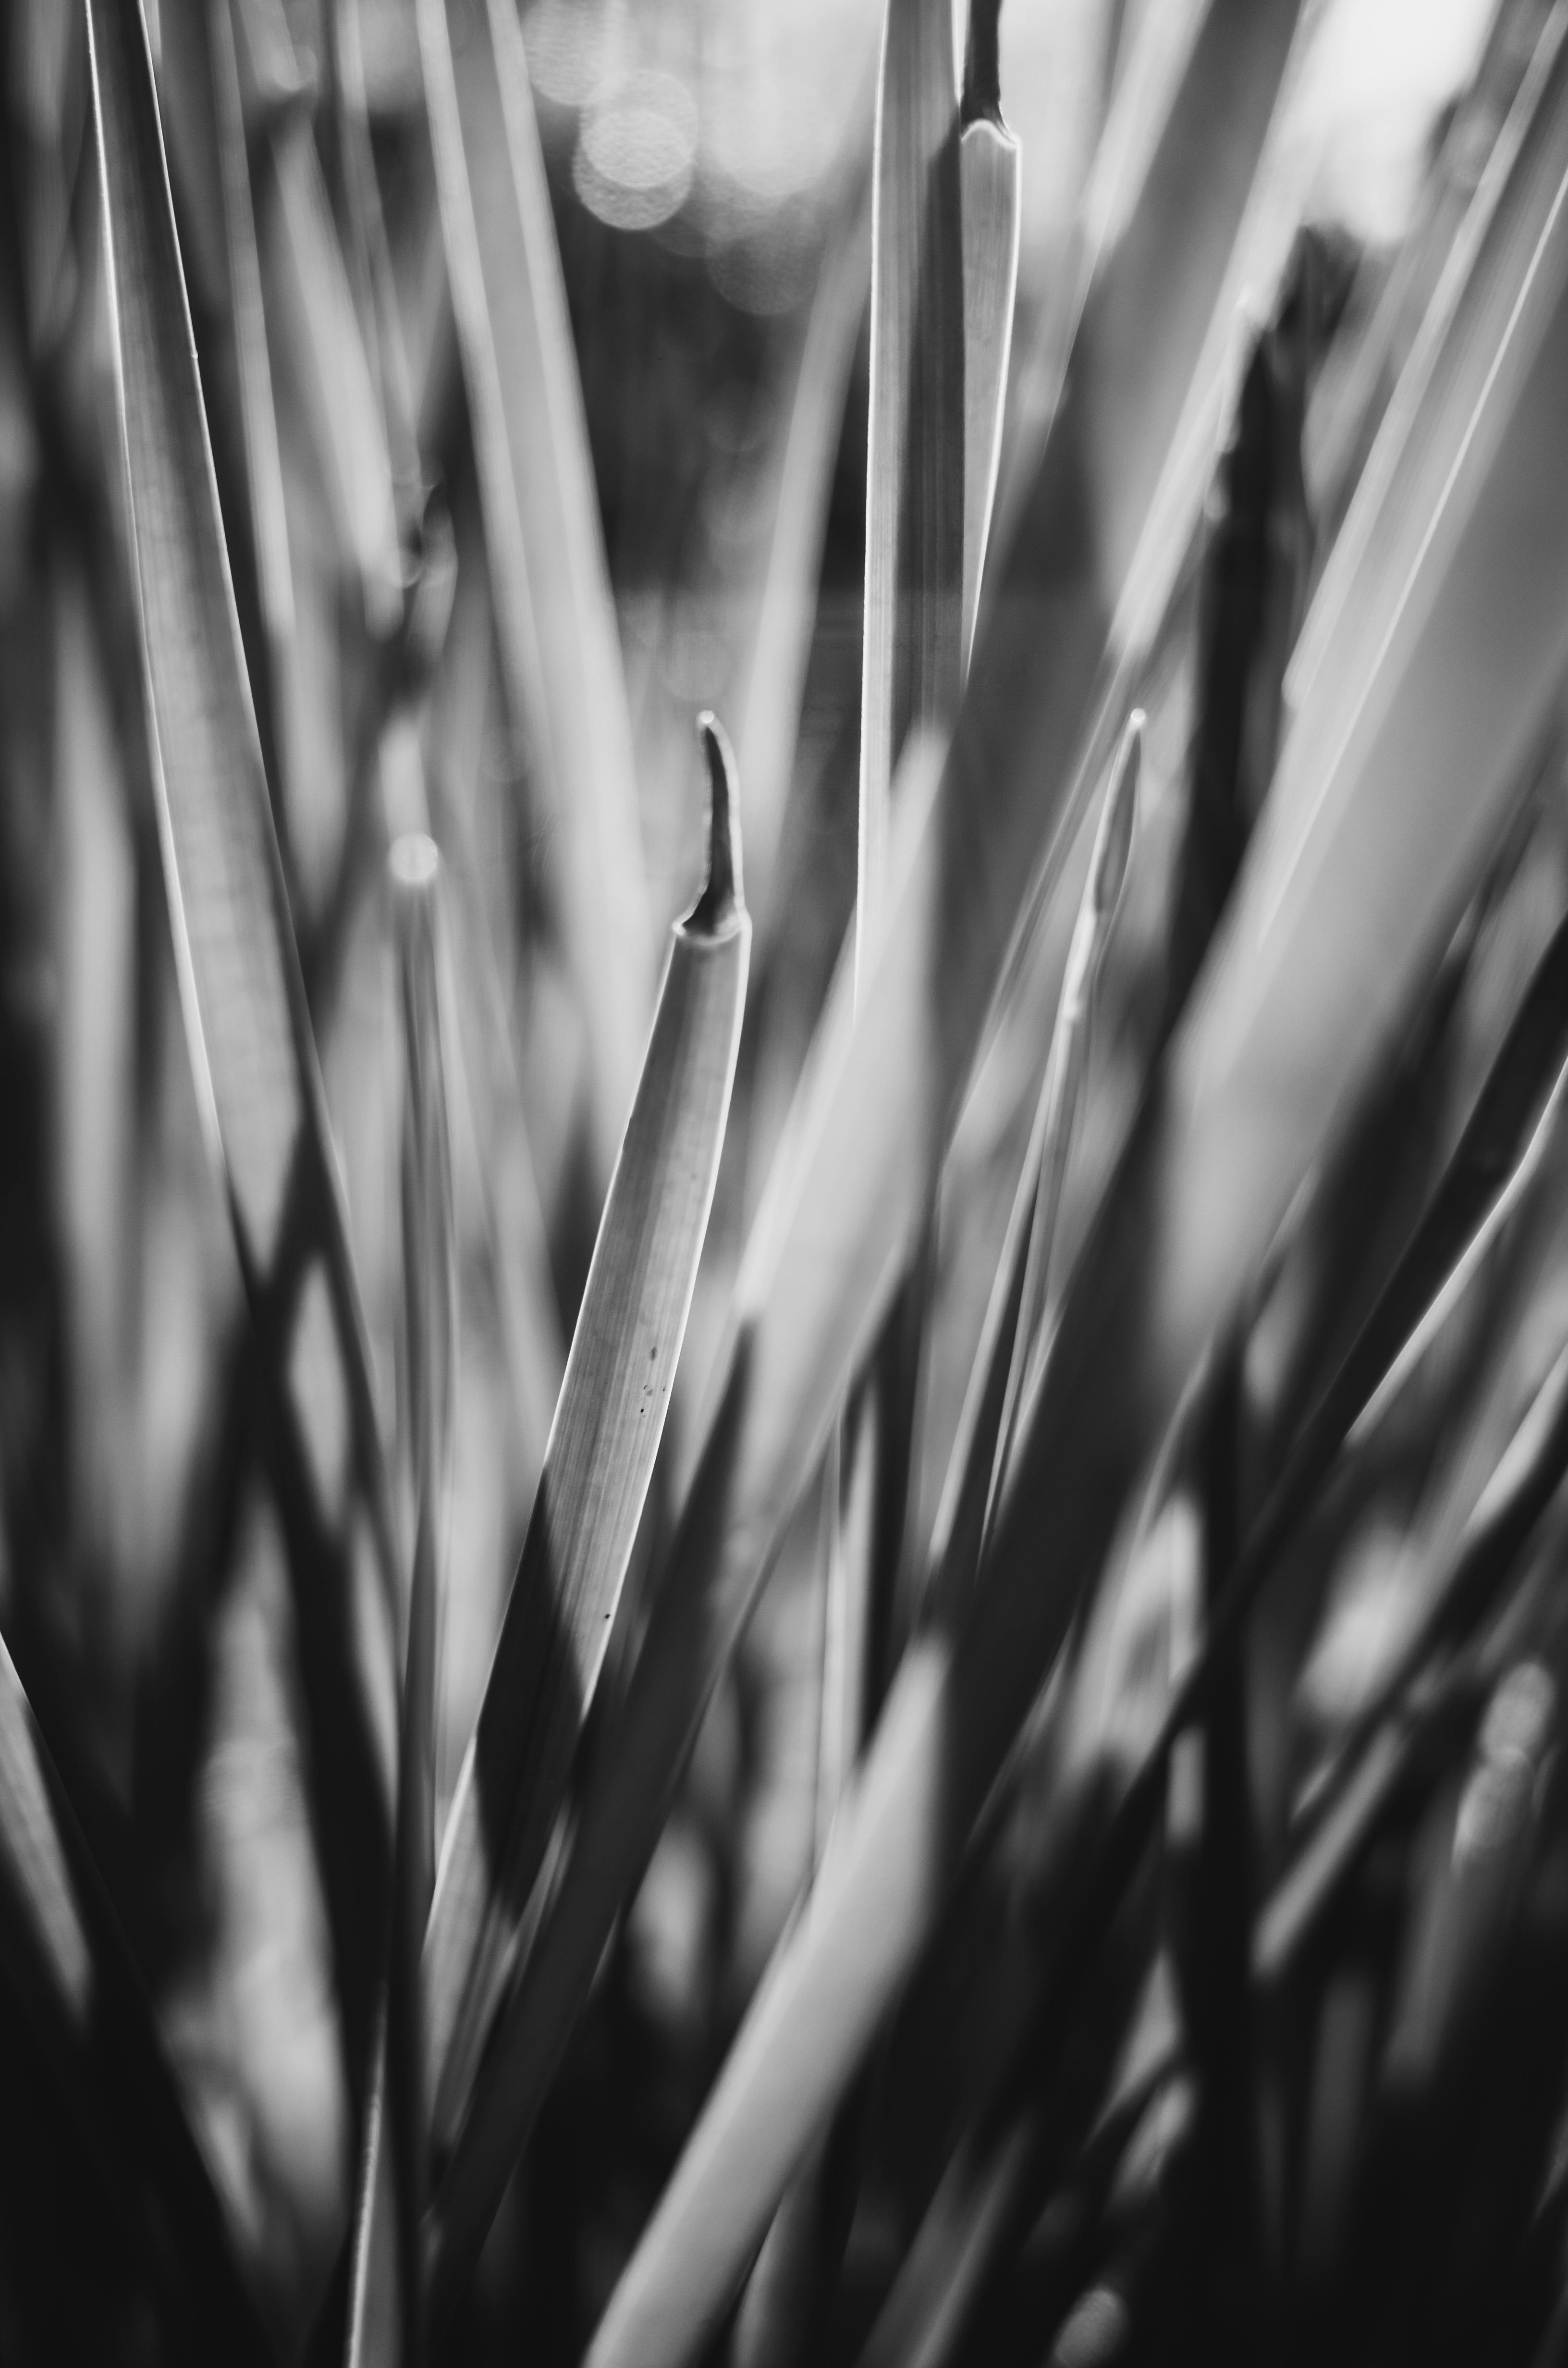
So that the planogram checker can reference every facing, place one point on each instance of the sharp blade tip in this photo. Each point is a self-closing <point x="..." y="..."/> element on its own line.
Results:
<point x="723" y="896"/>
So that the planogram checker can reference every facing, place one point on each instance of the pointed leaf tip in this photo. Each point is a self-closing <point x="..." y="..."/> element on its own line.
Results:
<point x="1113" y="840"/>
<point x="723" y="896"/>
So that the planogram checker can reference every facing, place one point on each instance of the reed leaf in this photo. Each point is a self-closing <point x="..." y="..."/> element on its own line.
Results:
<point x="258" y="1085"/>
<point x="264" y="468"/>
<point x="1370" y="838"/>
<point x="849" y="1190"/>
<point x="988" y="194"/>
<point x="317" y="329"/>
<point x="429" y="1257"/>
<point x="555" y="619"/>
<point x="603" y="1443"/>
<point x="774" y="666"/>
<point x="915" y="454"/>
<point x="1012" y="1339"/>
<point x="530" y="1325"/>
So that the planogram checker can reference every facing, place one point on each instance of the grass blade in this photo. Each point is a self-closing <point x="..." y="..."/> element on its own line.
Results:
<point x="259" y="1085"/>
<point x="914" y="487"/>
<point x="849" y="1192"/>
<point x="1052" y="1133"/>
<point x="1011" y="1343"/>
<point x="554" y="616"/>
<point x="1357" y="867"/>
<point x="989" y="189"/>
<point x="387" y="2306"/>
<point x="606" y="1435"/>
<point x="780" y="646"/>
<point x="531" y="1326"/>
<point x="318" y="330"/>
<point x="429" y="1255"/>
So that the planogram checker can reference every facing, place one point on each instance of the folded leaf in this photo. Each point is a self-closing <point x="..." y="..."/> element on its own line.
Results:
<point x="596" y="1469"/>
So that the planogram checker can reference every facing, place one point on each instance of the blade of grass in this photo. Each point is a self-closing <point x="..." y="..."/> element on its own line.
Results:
<point x="387" y="2310"/>
<point x="269" y="525"/>
<point x="990" y="196"/>
<point x="1011" y="1340"/>
<point x="531" y="1326"/>
<point x="318" y="330"/>
<point x="596" y="1469"/>
<point x="1357" y="866"/>
<point x="84" y="2004"/>
<point x="850" y="1188"/>
<point x="374" y="288"/>
<point x="259" y="1085"/>
<point x="776" y="664"/>
<point x="430" y="1256"/>
<point x="915" y="486"/>
<point x="555" y="618"/>
<point x="1052" y="1136"/>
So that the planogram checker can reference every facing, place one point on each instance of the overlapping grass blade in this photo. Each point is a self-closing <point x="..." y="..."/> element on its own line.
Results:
<point x="386" y="2302"/>
<point x="429" y="1260"/>
<point x="600" y="1459"/>
<point x="318" y="329"/>
<point x="914" y="465"/>
<point x="1012" y="1343"/>
<point x="850" y="1190"/>
<point x="555" y="620"/>
<point x="768" y="716"/>
<point x="531" y="1326"/>
<point x="269" y="525"/>
<point x="988" y="187"/>
<point x="257" y="1081"/>
<point x="70" y="1968"/>
<point x="1373" y="831"/>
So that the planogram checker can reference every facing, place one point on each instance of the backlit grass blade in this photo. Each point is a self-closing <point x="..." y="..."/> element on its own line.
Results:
<point x="608" y="1425"/>
<point x="270" y="526"/>
<point x="531" y="1326"/>
<point x="71" y="1972"/>
<point x="1011" y="1342"/>
<point x="1052" y="1134"/>
<point x="1356" y="871"/>
<point x="769" y="722"/>
<point x="989" y="189"/>
<point x="429" y="1292"/>
<point x="555" y="620"/>
<point x="850" y="1190"/>
<point x="914" y="466"/>
<point x="318" y="330"/>
<point x="386" y="2303"/>
<point x="257" y="1081"/>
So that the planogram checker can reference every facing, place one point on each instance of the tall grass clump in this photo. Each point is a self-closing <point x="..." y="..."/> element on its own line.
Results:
<point x="780" y="1536"/>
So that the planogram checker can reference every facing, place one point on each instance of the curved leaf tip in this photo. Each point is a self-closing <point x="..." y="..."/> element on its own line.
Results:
<point x="723" y="896"/>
